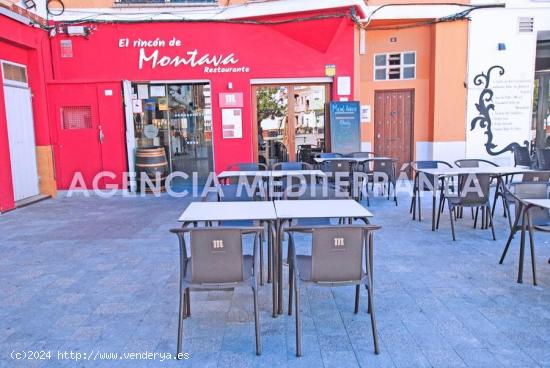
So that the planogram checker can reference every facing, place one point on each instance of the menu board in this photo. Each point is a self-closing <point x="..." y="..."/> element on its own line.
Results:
<point x="345" y="131"/>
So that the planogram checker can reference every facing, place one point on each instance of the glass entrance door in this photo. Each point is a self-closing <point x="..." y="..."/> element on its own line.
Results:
<point x="290" y="122"/>
<point x="178" y="118"/>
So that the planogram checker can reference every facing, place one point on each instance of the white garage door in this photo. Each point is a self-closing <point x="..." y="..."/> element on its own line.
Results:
<point x="17" y="98"/>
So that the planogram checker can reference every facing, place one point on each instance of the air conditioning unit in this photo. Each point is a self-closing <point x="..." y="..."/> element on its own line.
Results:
<point x="526" y="24"/>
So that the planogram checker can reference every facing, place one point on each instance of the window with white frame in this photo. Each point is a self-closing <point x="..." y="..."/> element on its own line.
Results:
<point x="394" y="66"/>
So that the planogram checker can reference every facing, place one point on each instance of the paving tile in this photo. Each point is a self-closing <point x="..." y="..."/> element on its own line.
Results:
<point x="113" y="285"/>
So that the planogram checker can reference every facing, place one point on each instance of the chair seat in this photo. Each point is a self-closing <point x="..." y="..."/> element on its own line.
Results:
<point x="459" y="201"/>
<point x="248" y="270"/>
<point x="303" y="265"/>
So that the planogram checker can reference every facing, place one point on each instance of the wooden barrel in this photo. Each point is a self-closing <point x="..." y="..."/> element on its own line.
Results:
<point x="150" y="161"/>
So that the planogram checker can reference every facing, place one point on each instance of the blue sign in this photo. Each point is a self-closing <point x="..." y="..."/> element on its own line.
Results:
<point x="345" y="129"/>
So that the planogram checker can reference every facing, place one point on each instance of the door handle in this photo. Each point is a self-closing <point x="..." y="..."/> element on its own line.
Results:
<point x="101" y="135"/>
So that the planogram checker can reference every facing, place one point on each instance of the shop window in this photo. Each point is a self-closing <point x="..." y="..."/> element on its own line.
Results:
<point x="76" y="117"/>
<point x="14" y="73"/>
<point x="395" y="66"/>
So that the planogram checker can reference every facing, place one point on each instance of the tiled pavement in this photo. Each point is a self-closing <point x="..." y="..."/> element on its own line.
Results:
<point x="91" y="274"/>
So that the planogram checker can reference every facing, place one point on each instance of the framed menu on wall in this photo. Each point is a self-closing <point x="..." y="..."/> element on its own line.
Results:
<point x="345" y="130"/>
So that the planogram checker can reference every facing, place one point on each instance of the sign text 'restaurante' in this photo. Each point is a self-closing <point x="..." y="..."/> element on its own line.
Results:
<point x="219" y="63"/>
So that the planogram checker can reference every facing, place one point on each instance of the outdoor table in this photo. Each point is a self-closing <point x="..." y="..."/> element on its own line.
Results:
<point x="496" y="171"/>
<point x="529" y="203"/>
<point x="235" y="173"/>
<point x="263" y="211"/>
<point x="302" y="209"/>
<point x="350" y="159"/>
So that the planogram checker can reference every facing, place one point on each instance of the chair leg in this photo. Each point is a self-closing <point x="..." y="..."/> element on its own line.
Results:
<point x="413" y="200"/>
<point x="394" y="192"/>
<point x="298" y="321"/>
<point x="180" y="323"/>
<point x="440" y="209"/>
<point x="419" y="209"/>
<point x="533" y="263"/>
<point x="512" y="233"/>
<point x="490" y="221"/>
<point x="290" y="287"/>
<point x="373" y="321"/>
<point x="357" y="295"/>
<point x="187" y="302"/>
<point x="452" y="211"/>
<point x="257" y="322"/>
<point x="261" y="259"/>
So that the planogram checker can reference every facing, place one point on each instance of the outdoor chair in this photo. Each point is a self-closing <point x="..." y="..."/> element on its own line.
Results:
<point x="329" y="155"/>
<point x="539" y="219"/>
<point x="425" y="182"/>
<point x="543" y="158"/>
<point x="473" y="192"/>
<point x="314" y="192"/>
<point x="252" y="166"/>
<point x="527" y="177"/>
<point x="478" y="162"/>
<point x="290" y="179"/>
<point x="381" y="171"/>
<point x="359" y="165"/>
<point x="522" y="156"/>
<point x="338" y="254"/>
<point x="239" y="193"/>
<point x="339" y="172"/>
<point x="216" y="261"/>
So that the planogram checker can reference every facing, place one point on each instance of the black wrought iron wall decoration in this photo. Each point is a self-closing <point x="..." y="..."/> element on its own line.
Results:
<point x="484" y="106"/>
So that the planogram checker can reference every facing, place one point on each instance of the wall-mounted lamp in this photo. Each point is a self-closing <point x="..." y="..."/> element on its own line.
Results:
<point x="501" y="46"/>
<point x="230" y="86"/>
<point x="393" y="39"/>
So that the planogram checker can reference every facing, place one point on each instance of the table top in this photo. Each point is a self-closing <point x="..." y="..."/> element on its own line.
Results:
<point x="228" y="211"/>
<point x="279" y="173"/>
<point x="544" y="203"/>
<point x="235" y="173"/>
<point x="350" y="159"/>
<point x="330" y="208"/>
<point x="493" y="170"/>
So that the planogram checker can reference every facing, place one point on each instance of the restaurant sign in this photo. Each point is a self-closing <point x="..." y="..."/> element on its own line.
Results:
<point x="150" y="55"/>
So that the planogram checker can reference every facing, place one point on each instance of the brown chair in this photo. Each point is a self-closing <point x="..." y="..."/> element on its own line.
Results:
<point x="338" y="254"/>
<point x="216" y="262"/>
<point x="382" y="171"/>
<point x="424" y="182"/>
<point x="539" y="219"/>
<point x="473" y="192"/>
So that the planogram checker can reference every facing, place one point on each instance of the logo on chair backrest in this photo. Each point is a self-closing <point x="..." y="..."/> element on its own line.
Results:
<point x="217" y="244"/>
<point x="338" y="242"/>
<point x="536" y="179"/>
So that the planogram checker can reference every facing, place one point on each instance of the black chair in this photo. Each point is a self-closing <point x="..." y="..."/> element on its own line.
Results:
<point x="242" y="193"/>
<point x="473" y="192"/>
<point x="539" y="219"/>
<point x="216" y="262"/>
<point x="543" y="158"/>
<point x="522" y="156"/>
<point x="247" y="166"/>
<point x="381" y="171"/>
<point x="338" y="254"/>
<point x="281" y="183"/>
<point x="423" y="182"/>
<point x="527" y="177"/>
<point x="292" y="166"/>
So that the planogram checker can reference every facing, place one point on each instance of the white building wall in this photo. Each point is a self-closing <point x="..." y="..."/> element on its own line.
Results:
<point x="505" y="108"/>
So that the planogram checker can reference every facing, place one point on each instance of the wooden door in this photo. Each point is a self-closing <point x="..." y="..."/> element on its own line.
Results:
<point x="393" y="125"/>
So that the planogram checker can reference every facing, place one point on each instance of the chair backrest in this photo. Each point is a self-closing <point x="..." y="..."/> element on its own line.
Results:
<point x="474" y="189"/>
<point x="543" y="158"/>
<point x="424" y="181"/>
<point x="292" y="166"/>
<point x="533" y="190"/>
<point x="473" y="162"/>
<point x="216" y="255"/>
<point x="361" y="154"/>
<point x="337" y="253"/>
<point x="536" y="176"/>
<point x="338" y="166"/>
<point x="238" y="193"/>
<point x="329" y="155"/>
<point x="247" y="166"/>
<point x="383" y="166"/>
<point x="313" y="192"/>
<point x="522" y="156"/>
<point x="427" y="164"/>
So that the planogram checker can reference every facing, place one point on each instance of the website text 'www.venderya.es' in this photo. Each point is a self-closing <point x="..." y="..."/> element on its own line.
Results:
<point x="95" y="355"/>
